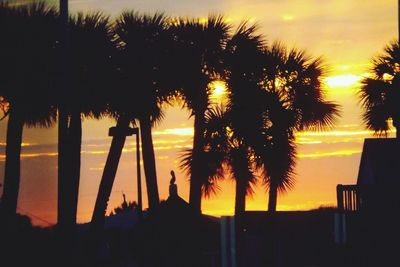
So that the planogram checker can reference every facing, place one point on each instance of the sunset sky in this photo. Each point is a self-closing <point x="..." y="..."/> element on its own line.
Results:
<point x="346" y="33"/>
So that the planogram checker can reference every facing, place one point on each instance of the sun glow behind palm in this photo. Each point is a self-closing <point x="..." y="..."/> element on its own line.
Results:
<point x="218" y="92"/>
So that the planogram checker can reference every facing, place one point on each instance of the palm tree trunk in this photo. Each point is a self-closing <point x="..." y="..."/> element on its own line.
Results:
<point x="12" y="164"/>
<point x="195" y="179"/>
<point x="70" y="139"/>
<point x="149" y="163"/>
<point x="110" y="170"/>
<point x="240" y="197"/>
<point x="272" y="197"/>
<point x="63" y="170"/>
<point x="75" y="137"/>
<point x="273" y="249"/>
<point x="240" y="207"/>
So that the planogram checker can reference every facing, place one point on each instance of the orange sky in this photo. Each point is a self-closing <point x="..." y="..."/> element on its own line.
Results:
<point x="346" y="33"/>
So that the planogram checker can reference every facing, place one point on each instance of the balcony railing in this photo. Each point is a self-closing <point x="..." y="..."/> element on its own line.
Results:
<point x="349" y="198"/>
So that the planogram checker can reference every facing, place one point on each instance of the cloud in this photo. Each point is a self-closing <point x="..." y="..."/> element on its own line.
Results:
<point x="329" y="154"/>
<point x="188" y="131"/>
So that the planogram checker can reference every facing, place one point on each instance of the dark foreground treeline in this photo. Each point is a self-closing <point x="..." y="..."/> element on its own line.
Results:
<point x="173" y="236"/>
<point x="176" y="236"/>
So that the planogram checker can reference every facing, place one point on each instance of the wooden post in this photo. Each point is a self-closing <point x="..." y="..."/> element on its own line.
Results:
<point x="119" y="134"/>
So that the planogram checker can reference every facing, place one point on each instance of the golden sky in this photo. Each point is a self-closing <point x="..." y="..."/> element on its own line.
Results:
<point x="346" y="33"/>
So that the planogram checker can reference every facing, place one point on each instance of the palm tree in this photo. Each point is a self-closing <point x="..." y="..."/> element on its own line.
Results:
<point x="380" y="92"/>
<point x="144" y="44"/>
<point x="281" y="91"/>
<point x="296" y="101"/>
<point x="90" y="51"/>
<point x="141" y="40"/>
<point x="244" y="64"/>
<point x="27" y="60"/>
<point x="199" y="46"/>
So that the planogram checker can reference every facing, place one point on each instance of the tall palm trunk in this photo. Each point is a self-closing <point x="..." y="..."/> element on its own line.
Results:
<point x="273" y="196"/>
<point x="149" y="163"/>
<point x="240" y="197"/>
<point x="240" y="207"/>
<point x="110" y="170"/>
<point x="195" y="179"/>
<point x="12" y="164"/>
<point x="62" y="211"/>
<point x="273" y="249"/>
<point x="75" y="137"/>
<point x="69" y="150"/>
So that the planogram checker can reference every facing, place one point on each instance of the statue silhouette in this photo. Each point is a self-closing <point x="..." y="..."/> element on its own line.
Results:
<point x="173" y="189"/>
<point x="173" y="178"/>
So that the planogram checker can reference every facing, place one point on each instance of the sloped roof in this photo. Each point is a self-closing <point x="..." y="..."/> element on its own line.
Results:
<point x="380" y="162"/>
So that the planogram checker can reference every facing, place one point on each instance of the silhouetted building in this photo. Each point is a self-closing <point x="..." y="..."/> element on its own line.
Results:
<point x="371" y="206"/>
<point x="380" y="162"/>
<point x="378" y="178"/>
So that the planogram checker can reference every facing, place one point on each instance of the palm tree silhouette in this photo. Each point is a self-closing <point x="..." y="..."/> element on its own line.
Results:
<point x="138" y="94"/>
<point x="281" y="91"/>
<point x="293" y="88"/>
<point x="144" y="44"/>
<point x="244" y="64"/>
<point x="380" y="93"/>
<point x="27" y="62"/>
<point x="199" y="47"/>
<point x="90" y="51"/>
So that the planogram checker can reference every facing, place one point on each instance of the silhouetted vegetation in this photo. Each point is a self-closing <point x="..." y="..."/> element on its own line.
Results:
<point x="281" y="91"/>
<point x="380" y="93"/>
<point x="129" y="69"/>
<point x="136" y="56"/>
<point x="198" y="61"/>
<point x="27" y="50"/>
<point x="125" y="206"/>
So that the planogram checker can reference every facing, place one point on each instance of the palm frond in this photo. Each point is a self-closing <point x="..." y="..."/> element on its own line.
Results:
<point x="211" y="169"/>
<point x="279" y="164"/>
<point x="379" y="94"/>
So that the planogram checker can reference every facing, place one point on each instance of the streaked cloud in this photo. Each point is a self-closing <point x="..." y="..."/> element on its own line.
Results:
<point x="32" y="155"/>
<point x="329" y="154"/>
<point x="188" y="131"/>
<point x="335" y="133"/>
